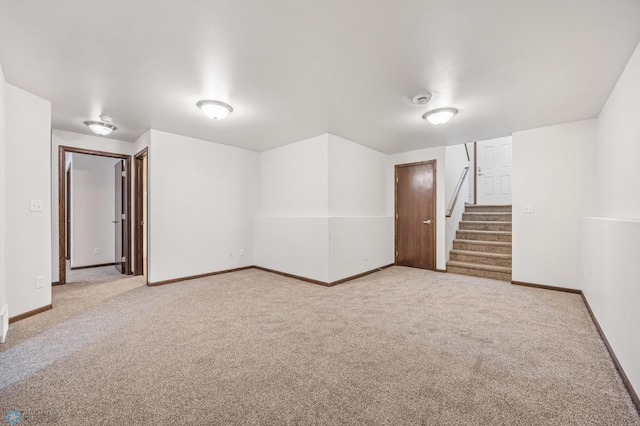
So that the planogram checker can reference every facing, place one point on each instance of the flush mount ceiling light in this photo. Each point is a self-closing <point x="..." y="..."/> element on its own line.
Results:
<point x="103" y="127"/>
<point x="440" y="115"/>
<point x="422" y="99"/>
<point x="215" y="109"/>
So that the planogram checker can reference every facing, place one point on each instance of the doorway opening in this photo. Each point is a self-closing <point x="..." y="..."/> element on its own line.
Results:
<point x="415" y="202"/>
<point x="141" y="209"/>
<point x="118" y="227"/>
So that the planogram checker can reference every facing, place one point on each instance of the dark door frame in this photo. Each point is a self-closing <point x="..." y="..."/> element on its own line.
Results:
<point x="120" y="224"/>
<point x="62" y="226"/>
<point x="435" y="208"/>
<point x="68" y="213"/>
<point x="138" y="227"/>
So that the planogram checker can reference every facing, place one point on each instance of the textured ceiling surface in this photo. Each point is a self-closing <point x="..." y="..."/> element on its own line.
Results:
<point x="297" y="69"/>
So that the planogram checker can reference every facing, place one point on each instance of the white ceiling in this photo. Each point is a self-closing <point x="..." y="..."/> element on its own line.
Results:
<point x="294" y="69"/>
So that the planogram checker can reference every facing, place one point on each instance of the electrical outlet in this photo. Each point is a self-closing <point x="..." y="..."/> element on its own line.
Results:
<point x="527" y="208"/>
<point x="241" y="252"/>
<point x="96" y="250"/>
<point x="39" y="281"/>
<point x="36" y="206"/>
<point x="230" y="254"/>
<point x="366" y="255"/>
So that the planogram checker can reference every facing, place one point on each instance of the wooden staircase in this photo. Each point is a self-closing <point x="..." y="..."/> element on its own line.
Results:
<point x="482" y="247"/>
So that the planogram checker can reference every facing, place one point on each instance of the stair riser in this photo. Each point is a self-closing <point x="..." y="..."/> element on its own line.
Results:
<point x="485" y="226"/>
<point x="466" y="235"/>
<point x="493" y="217"/>
<point x="481" y="208"/>
<point x="502" y="276"/>
<point x="482" y="260"/>
<point x="487" y="248"/>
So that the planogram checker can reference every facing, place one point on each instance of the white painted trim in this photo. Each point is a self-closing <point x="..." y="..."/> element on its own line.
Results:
<point x="4" y="322"/>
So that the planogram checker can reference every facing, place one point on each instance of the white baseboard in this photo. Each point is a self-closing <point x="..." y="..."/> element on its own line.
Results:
<point x="4" y="322"/>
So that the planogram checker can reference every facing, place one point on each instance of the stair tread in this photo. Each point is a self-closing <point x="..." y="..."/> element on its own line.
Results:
<point x="467" y="265"/>
<point x="491" y="243"/>
<point x="475" y="231"/>
<point x="488" y="205"/>
<point x="499" y="214"/>
<point x="481" y="254"/>
<point x="490" y="222"/>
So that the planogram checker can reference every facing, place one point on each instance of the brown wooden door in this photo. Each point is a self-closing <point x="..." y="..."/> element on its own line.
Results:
<point x="416" y="215"/>
<point x="120" y="219"/>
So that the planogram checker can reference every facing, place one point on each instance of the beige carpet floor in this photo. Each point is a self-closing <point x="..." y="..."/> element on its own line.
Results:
<point x="401" y="346"/>
<point x="94" y="275"/>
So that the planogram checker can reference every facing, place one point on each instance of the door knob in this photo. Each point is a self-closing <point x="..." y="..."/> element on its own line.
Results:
<point x="427" y="222"/>
<point x="115" y="221"/>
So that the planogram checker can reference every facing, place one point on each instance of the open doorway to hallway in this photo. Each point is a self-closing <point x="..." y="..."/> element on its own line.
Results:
<point x="94" y="212"/>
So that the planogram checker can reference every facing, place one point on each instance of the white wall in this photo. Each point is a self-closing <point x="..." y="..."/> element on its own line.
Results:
<point x="323" y="209"/>
<point x="439" y="155"/>
<point x="359" y="244"/>
<point x="4" y="312"/>
<point x="292" y="227"/>
<point x="611" y="244"/>
<point x="618" y="147"/>
<point x="360" y="230"/>
<point x="611" y="269"/>
<point x="142" y="142"/>
<point x="294" y="245"/>
<point x="357" y="175"/>
<point x="74" y="140"/>
<point x="202" y="199"/>
<point x="471" y="177"/>
<point x="27" y="177"/>
<point x="553" y="170"/>
<point x="294" y="179"/>
<point x="455" y="162"/>
<point x="93" y="186"/>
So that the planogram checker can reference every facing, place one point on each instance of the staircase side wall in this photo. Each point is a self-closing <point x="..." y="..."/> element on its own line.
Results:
<point x="455" y="162"/>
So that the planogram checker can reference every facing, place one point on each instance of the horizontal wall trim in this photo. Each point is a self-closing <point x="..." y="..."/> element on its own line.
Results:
<point x="623" y="376"/>
<point x="92" y="266"/>
<point x="614" y="358"/>
<point x="193" y="277"/>
<point x="30" y="313"/>
<point x="547" y="287"/>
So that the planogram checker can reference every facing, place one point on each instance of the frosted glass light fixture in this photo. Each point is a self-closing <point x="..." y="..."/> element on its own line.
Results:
<point x="101" y="128"/>
<point x="440" y="115"/>
<point x="215" y="109"/>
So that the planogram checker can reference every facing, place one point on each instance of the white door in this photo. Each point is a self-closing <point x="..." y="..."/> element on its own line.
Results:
<point x="494" y="171"/>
